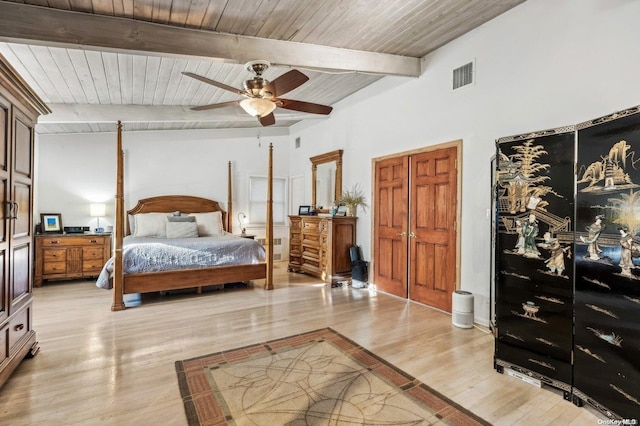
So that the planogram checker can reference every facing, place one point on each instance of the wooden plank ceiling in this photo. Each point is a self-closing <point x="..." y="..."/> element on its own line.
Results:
<point x="98" y="61"/>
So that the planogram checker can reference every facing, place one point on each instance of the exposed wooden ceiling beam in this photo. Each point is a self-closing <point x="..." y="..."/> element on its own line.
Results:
<point x="73" y="113"/>
<point x="61" y="28"/>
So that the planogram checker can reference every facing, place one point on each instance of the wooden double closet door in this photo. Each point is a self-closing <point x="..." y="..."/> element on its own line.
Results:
<point x="415" y="230"/>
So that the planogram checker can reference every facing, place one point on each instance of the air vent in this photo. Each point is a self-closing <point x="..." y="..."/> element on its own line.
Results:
<point x="277" y="248"/>
<point x="297" y="142"/>
<point x="463" y="76"/>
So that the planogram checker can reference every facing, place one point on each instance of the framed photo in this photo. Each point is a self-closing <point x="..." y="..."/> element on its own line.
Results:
<point x="342" y="211"/>
<point x="51" y="223"/>
<point x="304" y="210"/>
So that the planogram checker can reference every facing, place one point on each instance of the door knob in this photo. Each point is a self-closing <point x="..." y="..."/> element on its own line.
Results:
<point x="402" y="234"/>
<point x="412" y="235"/>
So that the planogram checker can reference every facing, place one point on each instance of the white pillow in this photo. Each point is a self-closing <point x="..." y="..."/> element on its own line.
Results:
<point x="132" y="224"/>
<point x="209" y="223"/>
<point x="182" y="230"/>
<point x="150" y="225"/>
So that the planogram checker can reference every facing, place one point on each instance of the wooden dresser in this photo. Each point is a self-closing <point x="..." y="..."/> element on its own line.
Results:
<point x="319" y="246"/>
<point x="19" y="111"/>
<point x="66" y="256"/>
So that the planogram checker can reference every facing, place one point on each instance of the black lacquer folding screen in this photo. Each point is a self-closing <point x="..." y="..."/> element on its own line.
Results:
<point x="607" y="287"/>
<point x="570" y="201"/>
<point x="534" y="245"/>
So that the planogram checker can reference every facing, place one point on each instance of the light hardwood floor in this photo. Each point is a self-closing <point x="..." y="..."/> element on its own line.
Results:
<point x="101" y="367"/>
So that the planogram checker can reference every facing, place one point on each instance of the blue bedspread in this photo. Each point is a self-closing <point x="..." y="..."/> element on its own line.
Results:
<point x="144" y="254"/>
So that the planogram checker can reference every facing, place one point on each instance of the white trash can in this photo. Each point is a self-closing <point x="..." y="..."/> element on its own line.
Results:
<point x="462" y="309"/>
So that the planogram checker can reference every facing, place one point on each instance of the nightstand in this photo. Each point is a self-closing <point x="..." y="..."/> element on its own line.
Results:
<point x="252" y="236"/>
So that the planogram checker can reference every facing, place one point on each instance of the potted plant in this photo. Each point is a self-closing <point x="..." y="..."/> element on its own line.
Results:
<point x="352" y="198"/>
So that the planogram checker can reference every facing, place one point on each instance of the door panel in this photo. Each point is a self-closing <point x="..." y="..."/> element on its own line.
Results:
<point x="4" y="221"/>
<point x="432" y="247"/>
<point x="391" y="219"/>
<point x="21" y="277"/>
<point x="4" y="134"/>
<point x="22" y="221"/>
<point x="22" y="156"/>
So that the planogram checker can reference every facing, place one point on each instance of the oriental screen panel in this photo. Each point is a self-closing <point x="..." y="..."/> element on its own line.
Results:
<point x="534" y="248"/>
<point x="607" y="287"/>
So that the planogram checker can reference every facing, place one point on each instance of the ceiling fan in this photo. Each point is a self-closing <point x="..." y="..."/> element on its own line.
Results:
<point x="262" y="96"/>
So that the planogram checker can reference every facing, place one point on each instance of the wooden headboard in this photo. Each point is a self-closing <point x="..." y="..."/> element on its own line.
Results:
<point x="172" y="203"/>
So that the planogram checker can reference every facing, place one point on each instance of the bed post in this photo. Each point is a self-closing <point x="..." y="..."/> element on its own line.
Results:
<point x="268" y="283"/>
<point x="118" y="278"/>
<point x="229" y="201"/>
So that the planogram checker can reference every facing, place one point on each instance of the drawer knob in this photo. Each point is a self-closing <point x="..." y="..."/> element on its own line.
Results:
<point x="94" y="241"/>
<point x="18" y="327"/>
<point x="54" y="242"/>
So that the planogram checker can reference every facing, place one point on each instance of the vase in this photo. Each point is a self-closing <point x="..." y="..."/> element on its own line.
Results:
<point x="351" y="210"/>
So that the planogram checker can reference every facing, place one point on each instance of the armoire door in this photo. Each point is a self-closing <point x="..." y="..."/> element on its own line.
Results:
<point x="21" y="228"/>
<point x="391" y="224"/>
<point x="415" y="235"/>
<point x="4" y="197"/>
<point x="432" y="229"/>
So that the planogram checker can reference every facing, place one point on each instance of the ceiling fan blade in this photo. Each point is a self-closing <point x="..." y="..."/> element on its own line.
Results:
<point x="213" y="83"/>
<point x="267" y="120"/>
<point x="215" y="106"/>
<point x="304" y="106"/>
<point x="285" y="83"/>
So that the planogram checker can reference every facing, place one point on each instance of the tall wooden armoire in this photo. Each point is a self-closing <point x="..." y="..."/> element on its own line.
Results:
<point x="19" y="110"/>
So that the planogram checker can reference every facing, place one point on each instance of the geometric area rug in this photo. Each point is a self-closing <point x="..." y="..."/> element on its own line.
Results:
<point x="314" y="378"/>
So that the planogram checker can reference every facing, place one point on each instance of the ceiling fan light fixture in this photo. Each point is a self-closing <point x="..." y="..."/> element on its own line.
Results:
<point x="254" y="86"/>
<point x="257" y="107"/>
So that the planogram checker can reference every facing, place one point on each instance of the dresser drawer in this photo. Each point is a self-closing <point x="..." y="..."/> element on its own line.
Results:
<point x="54" y="255"/>
<point x="311" y="254"/>
<point x="19" y="326"/>
<point x="295" y="240"/>
<point x="310" y="245"/>
<point x="54" y="268"/>
<point x="66" y="241"/>
<point x="310" y="267"/>
<point x="92" y="253"/>
<point x="92" y="265"/>
<point x="310" y="226"/>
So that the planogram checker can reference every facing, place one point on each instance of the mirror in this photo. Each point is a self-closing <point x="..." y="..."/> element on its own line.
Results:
<point x="326" y="180"/>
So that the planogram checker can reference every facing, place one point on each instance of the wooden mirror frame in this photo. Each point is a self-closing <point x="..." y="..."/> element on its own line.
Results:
<point x="322" y="159"/>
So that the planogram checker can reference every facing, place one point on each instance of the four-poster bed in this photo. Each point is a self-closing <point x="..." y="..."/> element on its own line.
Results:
<point x="143" y="282"/>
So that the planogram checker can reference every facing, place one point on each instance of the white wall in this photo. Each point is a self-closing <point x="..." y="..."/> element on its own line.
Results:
<point x="74" y="170"/>
<point x="544" y="64"/>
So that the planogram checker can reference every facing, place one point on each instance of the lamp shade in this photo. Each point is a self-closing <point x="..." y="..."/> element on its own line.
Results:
<point x="258" y="107"/>
<point x="97" y="210"/>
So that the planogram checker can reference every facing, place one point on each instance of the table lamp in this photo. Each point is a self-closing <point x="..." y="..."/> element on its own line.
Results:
<point x="97" y="210"/>
<point x="243" y="220"/>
